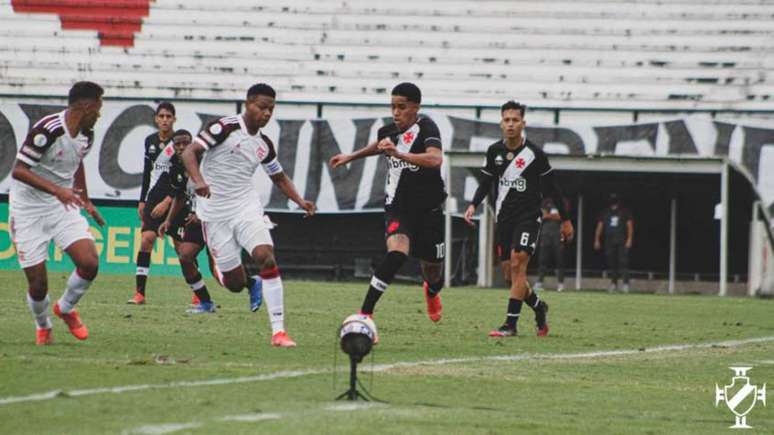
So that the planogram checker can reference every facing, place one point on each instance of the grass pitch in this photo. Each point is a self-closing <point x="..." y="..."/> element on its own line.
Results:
<point x="154" y="369"/>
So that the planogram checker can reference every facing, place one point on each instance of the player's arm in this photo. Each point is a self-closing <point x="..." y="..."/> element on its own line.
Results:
<point x="146" y="173"/>
<point x="484" y="187"/>
<point x="629" y="232"/>
<point x="79" y="187"/>
<point x="488" y="171"/>
<point x="343" y="159"/>
<point x="287" y="187"/>
<point x="432" y="158"/>
<point x="178" y="202"/>
<point x="22" y="172"/>
<point x="191" y="156"/>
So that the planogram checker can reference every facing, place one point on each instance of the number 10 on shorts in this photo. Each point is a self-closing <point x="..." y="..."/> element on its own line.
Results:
<point x="440" y="250"/>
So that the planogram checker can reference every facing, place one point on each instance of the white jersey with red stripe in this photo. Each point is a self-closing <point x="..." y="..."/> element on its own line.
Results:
<point x="230" y="159"/>
<point x="54" y="154"/>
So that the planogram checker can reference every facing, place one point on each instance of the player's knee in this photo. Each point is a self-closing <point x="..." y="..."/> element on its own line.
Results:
<point x="38" y="288"/>
<point x="88" y="268"/>
<point x="146" y="244"/>
<point x="186" y="255"/>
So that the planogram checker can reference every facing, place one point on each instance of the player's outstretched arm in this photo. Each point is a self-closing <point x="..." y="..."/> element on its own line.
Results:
<point x="289" y="189"/>
<point x="343" y="159"/>
<point x="79" y="186"/>
<point x="190" y="157"/>
<point x="21" y="171"/>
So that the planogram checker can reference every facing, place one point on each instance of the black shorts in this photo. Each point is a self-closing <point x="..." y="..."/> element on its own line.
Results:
<point x="150" y="223"/>
<point x="192" y="233"/>
<point x="517" y="235"/>
<point x="425" y="230"/>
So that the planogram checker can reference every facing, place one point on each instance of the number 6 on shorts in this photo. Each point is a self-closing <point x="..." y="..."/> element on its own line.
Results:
<point x="524" y="239"/>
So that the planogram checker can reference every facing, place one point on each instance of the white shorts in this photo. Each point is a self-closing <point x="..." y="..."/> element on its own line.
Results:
<point x="225" y="239"/>
<point x="32" y="235"/>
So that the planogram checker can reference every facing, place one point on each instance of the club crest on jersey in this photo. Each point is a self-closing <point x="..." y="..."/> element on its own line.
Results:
<point x="408" y="137"/>
<point x="520" y="163"/>
<point x="169" y="151"/>
<point x="499" y="160"/>
<point x="39" y="140"/>
<point x="262" y="152"/>
<point x="216" y="128"/>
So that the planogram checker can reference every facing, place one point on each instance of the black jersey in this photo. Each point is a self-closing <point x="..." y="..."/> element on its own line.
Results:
<point x="180" y="186"/>
<point x="518" y="174"/>
<point x="157" y="156"/>
<point x="411" y="187"/>
<point x="615" y="224"/>
<point x="162" y="182"/>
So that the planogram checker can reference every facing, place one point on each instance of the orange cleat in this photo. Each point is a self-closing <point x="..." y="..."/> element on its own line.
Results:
<point x="195" y="299"/>
<point x="137" y="299"/>
<point x="434" y="307"/>
<point x="43" y="337"/>
<point x="282" y="339"/>
<point x="73" y="320"/>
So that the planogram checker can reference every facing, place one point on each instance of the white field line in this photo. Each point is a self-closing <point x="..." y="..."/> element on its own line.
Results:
<point x="166" y="428"/>
<point x="380" y="368"/>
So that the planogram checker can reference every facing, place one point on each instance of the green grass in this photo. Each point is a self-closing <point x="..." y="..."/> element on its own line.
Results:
<point x="641" y="392"/>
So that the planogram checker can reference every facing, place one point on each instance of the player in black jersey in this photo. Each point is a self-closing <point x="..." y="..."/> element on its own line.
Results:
<point x="523" y="176"/>
<point x="158" y="151"/>
<point x="414" y="197"/>
<point x="185" y="229"/>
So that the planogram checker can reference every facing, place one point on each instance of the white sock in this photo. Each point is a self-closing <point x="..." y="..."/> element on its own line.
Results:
<point x="76" y="287"/>
<point x="40" y="312"/>
<point x="275" y="306"/>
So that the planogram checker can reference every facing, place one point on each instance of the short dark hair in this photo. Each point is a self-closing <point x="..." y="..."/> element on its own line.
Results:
<point x="261" y="89"/>
<point x="512" y="105"/>
<point x="182" y="132"/>
<point x="85" y="91"/>
<point x="166" y="105"/>
<point x="408" y="90"/>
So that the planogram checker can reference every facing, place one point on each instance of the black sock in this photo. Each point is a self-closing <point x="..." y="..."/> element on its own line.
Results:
<point x="143" y="267"/>
<point x="435" y="288"/>
<point x="532" y="300"/>
<point x="383" y="276"/>
<point x="199" y="288"/>
<point x="514" y="311"/>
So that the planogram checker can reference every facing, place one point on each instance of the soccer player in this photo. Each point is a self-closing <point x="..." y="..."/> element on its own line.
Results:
<point x="523" y="176"/>
<point x="228" y="206"/>
<point x="48" y="190"/>
<point x="179" y="221"/>
<point x="414" y="200"/>
<point x="158" y="152"/>
<point x="617" y="226"/>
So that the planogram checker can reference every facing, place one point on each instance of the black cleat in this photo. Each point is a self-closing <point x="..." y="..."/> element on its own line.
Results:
<point x="503" y="331"/>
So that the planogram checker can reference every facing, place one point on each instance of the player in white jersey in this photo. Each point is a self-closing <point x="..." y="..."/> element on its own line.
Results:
<point x="229" y="207"/>
<point x="48" y="190"/>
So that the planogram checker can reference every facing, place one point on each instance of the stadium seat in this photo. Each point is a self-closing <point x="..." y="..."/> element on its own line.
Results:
<point x="608" y="53"/>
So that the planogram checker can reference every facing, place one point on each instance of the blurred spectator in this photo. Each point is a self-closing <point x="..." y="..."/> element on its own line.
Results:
<point x="616" y="225"/>
<point x="551" y="245"/>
